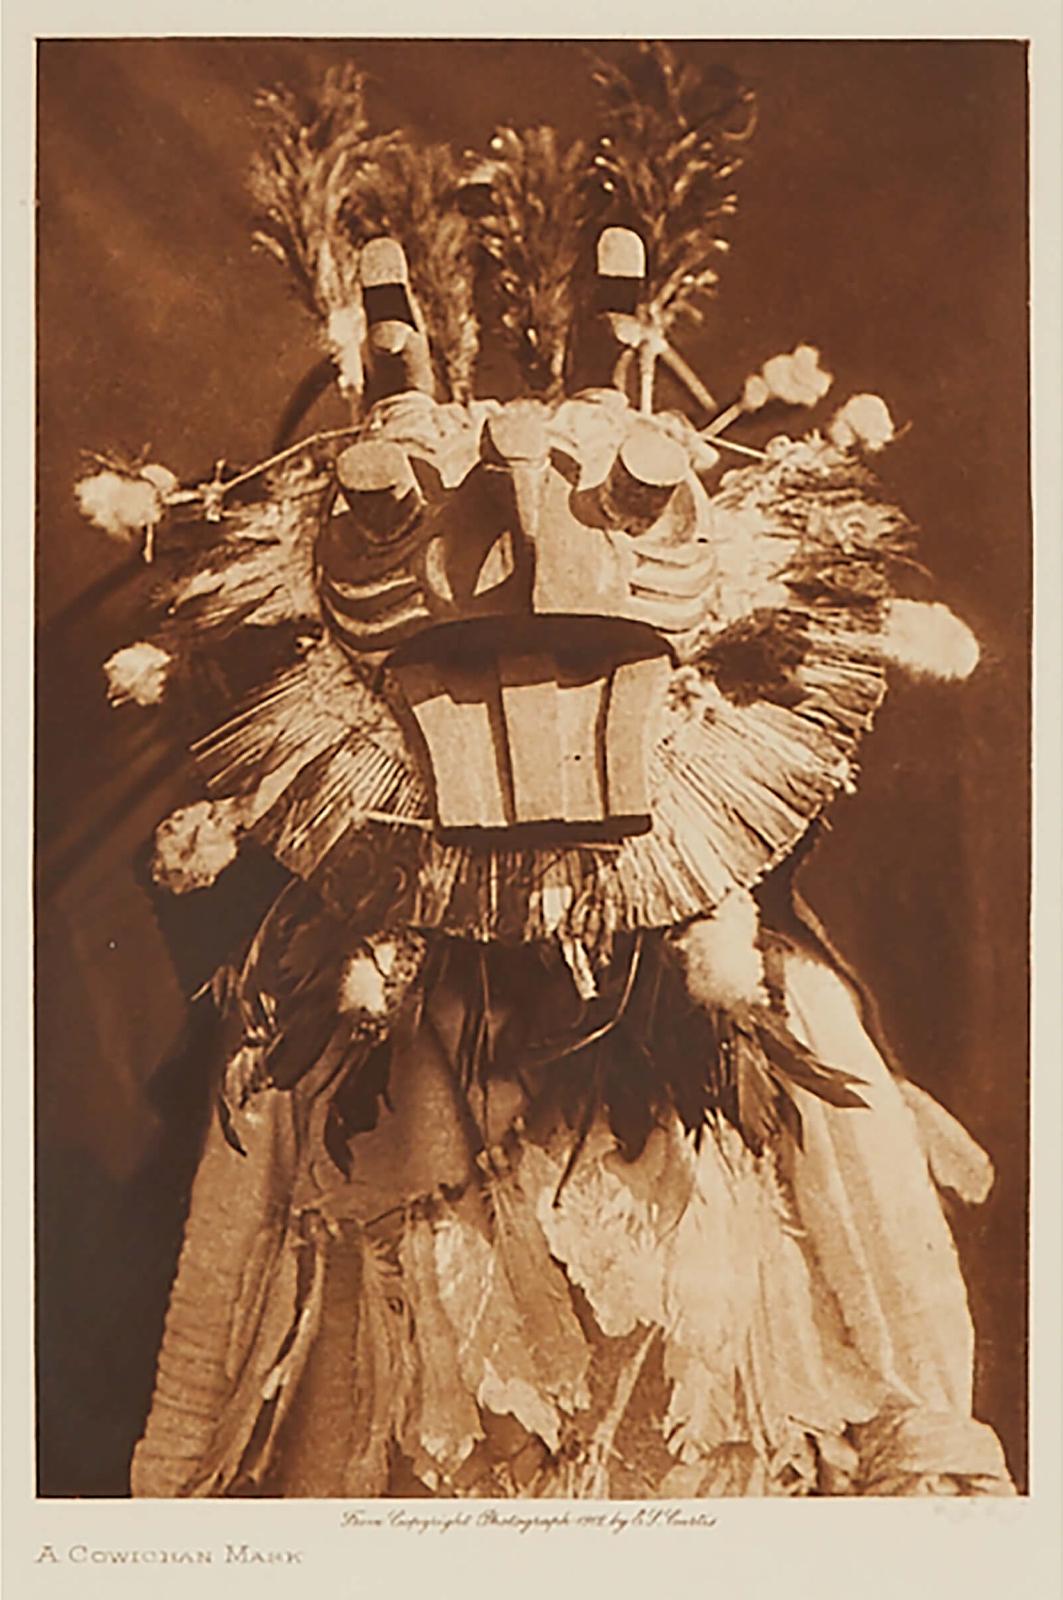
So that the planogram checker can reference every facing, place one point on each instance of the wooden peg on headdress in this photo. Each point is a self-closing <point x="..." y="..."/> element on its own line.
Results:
<point x="608" y="339"/>
<point x="398" y="355"/>
<point x="378" y="484"/>
<point x="646" y="473"/>
<point x="619" y="279"/>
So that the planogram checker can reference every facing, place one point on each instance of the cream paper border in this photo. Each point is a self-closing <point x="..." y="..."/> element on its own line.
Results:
<point x="863" y="1550"/>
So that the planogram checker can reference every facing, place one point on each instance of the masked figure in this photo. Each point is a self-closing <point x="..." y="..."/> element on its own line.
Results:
<point x="555" y="1152"/>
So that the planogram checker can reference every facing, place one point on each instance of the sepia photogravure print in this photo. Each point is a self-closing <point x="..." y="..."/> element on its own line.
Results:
<point x="532" y="817"/>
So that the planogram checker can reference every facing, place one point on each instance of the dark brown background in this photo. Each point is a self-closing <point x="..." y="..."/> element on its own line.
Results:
<point x="883" y="219"/>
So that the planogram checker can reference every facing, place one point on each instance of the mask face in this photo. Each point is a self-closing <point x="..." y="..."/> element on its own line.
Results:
<point x="531" y="574"/>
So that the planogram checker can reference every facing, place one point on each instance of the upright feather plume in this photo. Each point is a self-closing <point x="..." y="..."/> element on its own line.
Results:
<point x="527" y="202"/>
<point x="664" y="165"/>
<point x="302" y="182"/>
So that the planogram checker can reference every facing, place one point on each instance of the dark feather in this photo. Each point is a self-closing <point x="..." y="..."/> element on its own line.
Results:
<point x="630" y="1094"/>
<point x="756" y="1094"/>
<point x="592" y="1094"/>
<point x="756" y="658"/>
<point x="797" y="1064"/>
<point x="790" y="1119"/>
<point x="225" y="1121"/>
<point x="356" y="1102"/>
<point x="336" y="1140"/>
<point x="285" y="998"/>
<point x="364" y="1089"/>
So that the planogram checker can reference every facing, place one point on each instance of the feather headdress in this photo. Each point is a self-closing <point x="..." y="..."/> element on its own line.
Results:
<point x="538" y="670"/>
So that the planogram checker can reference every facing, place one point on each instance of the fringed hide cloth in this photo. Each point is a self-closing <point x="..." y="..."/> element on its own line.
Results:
<point x="554" y="1153"/>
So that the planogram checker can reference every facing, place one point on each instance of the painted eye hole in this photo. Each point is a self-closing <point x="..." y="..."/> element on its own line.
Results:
<point x="648" y="469"/>
<point x="378" y="485"/>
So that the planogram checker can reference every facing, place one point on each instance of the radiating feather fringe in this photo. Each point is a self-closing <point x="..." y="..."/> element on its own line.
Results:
<point x="311" y="757"/>
<point x="803" y="545"/>
<point x="260" y="572"/>
<point x="734" y="788"/>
